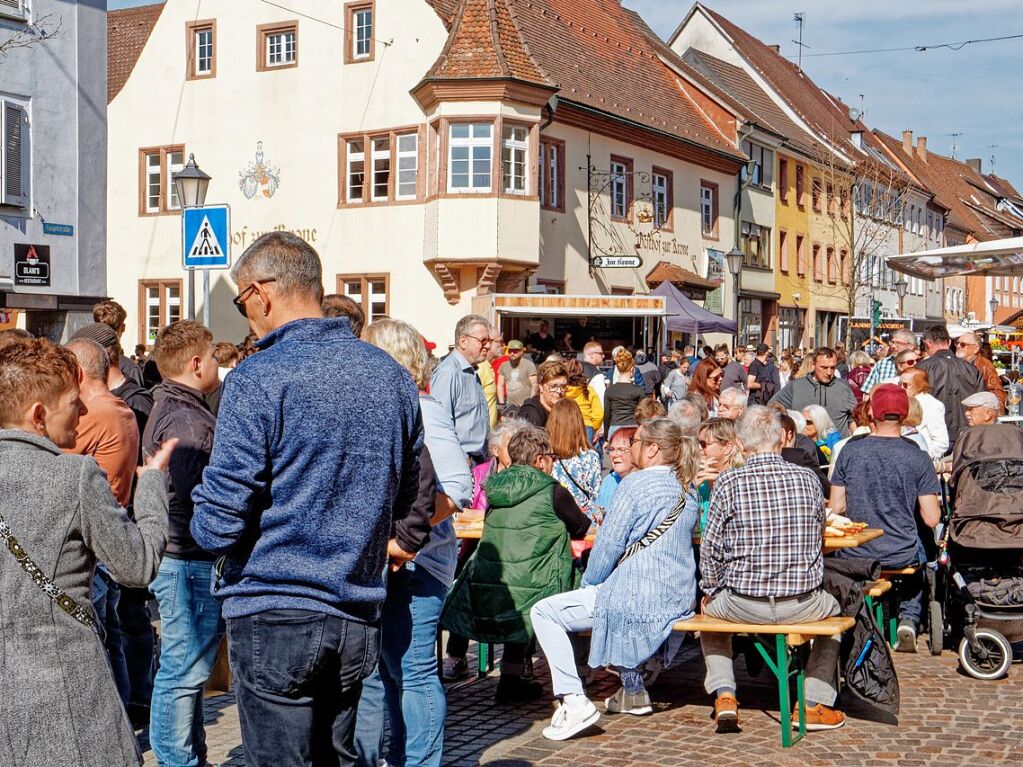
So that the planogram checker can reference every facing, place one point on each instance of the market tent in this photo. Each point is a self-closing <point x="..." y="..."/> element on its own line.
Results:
<point x="685" y="316"/>
<point x="996" y="258"/>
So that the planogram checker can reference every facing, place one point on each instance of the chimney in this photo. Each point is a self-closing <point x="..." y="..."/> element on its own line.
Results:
<point x="907" y="142"/>
<point x="921" y="148"/>
<point x="975" y="163"/>
<point x="776" y="48"/>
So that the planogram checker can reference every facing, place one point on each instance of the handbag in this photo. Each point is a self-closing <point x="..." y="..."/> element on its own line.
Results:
<point x="657" y="532"/>
<point x="48" y="587"/>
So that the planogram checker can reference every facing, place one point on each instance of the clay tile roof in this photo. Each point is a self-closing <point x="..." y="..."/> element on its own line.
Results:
<point x="960" y="188"/>
<point x="127" y="33"/>
<point x="758" y="105"/>
<point x="668" y="272"/>
<point x="485" y="43"/>
<point x="446" y="9"/>
<point x="604" y="57"/>
<point x="1003" y="186"/>
<point x="811" y="103"/>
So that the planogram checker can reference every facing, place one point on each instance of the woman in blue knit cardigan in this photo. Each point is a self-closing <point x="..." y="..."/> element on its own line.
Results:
<point x="629" y="606"/>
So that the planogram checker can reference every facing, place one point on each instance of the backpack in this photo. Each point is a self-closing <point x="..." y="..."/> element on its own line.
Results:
<point x="769" y="384"/>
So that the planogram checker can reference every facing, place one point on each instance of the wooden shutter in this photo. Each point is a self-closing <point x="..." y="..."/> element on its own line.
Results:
<point x="14" y="160"/>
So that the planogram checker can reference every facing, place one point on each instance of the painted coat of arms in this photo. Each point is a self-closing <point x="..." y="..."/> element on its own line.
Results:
<point x="259" y="176"/>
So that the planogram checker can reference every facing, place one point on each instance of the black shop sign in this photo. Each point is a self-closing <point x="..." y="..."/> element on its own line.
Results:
<point x="32" y="265"/>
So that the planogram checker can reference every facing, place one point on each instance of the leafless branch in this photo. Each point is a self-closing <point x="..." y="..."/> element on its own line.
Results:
<point x="42" y="29"/>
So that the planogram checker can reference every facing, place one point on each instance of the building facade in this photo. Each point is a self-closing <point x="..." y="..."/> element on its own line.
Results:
<point x="53" y="173"/>
<point x="434" y="153"/>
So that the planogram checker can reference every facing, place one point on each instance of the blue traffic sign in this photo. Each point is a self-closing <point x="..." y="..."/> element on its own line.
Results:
<point x="205" y="237"/>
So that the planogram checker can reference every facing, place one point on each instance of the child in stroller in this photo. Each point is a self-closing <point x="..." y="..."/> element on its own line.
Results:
<point x="982" y="548"/>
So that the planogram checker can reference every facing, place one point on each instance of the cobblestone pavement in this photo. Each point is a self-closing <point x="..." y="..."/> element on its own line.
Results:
<point x="946" y="718"/>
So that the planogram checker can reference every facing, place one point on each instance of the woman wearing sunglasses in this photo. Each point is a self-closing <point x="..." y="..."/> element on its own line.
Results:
<point x="707" y="384"/>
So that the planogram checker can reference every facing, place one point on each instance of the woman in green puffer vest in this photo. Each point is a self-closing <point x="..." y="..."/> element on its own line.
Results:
<point x="524" y="555"/>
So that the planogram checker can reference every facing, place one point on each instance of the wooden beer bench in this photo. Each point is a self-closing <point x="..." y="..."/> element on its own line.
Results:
<point x="778" y="654"/>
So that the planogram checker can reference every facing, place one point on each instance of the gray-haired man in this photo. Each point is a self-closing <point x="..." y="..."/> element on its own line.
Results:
<point x="762" y="562"/>
<point x="456" y="384"/>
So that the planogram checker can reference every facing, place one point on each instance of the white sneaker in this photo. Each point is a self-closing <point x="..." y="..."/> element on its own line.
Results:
<point x="571" y="719"/>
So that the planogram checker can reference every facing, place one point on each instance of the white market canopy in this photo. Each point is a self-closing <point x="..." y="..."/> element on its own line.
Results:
<point x="997" y="258"/>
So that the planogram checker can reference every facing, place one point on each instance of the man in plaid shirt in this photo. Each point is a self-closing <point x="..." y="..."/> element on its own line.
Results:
<point x="885" y="368"/>
<point x="762" y="562"/>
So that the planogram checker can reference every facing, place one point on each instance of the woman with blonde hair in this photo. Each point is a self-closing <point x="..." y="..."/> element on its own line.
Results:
<point x="640" y="580"/>
<point x="406" y="679"/>
<point x="719" y="452"/>
<point x="580" y="391"/>
<point x="577" y="466"/>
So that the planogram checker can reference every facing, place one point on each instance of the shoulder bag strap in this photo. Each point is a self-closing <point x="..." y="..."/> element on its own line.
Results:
<point x="569" y="475"/>
<point x="48" y="587"/>
<point x="657" y="532"/>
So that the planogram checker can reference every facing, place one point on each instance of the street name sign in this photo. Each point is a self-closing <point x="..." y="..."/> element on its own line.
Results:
<point x="617" y="262"/>
<point x="205" y="237"/>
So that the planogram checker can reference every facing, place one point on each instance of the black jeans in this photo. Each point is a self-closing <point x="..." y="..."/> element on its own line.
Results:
<point x="298" y="677"/>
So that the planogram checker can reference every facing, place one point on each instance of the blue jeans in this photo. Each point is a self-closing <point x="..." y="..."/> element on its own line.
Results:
<point x="911" y="591"/>
<point x="190" y="632"/>
<point x="106" y="595"/>
<point x="406" y="680"/>
<point x="298" y="677"/>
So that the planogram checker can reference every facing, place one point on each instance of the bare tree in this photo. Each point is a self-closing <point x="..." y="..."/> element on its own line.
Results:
<point x="862" y="204"/>
<point x="42" y="29"/>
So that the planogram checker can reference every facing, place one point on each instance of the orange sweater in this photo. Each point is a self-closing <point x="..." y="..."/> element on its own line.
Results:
<point x="109" y="433"/>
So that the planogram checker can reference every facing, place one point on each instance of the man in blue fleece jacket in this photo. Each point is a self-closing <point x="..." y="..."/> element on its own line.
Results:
<point x="316" y="451"/>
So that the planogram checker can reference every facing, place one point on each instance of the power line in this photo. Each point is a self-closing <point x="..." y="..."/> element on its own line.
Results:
<point x="387" y="43"/>
<point x="918" y="48"/>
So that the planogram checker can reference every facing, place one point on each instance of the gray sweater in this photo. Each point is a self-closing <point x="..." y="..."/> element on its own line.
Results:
<point x="835" y="396"/>
<point x="60" y="705"/>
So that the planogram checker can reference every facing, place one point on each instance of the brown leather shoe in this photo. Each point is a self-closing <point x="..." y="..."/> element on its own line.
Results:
<point x="820" y="717"/>
<point x="726" y="713"/>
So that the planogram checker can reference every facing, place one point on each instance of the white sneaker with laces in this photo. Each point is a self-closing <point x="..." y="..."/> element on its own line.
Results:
<point x="571" y="719"/>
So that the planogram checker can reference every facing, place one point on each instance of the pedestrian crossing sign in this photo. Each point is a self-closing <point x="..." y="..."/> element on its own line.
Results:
<point x="206" y="237"/>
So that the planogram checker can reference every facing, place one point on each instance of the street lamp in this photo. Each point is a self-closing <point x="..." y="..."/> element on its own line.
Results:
<point x="734" y="259"/>
<point x="900" y="288"/>
<point x="191" y="185"/>
<point x="993" y="306"/>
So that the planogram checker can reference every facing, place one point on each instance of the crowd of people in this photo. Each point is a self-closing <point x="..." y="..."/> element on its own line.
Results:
<point x="298" y="494"/>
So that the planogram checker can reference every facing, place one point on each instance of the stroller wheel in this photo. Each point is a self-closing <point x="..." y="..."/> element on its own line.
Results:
<point x="936" y="635"/>
<point x="992" y="658"/>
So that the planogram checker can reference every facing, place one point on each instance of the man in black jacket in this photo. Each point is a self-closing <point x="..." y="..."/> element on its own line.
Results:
<point x="191" y="625"/>
<point x="952" y="379"/>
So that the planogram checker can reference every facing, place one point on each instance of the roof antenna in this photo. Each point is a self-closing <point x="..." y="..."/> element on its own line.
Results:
<point x="992" y="146"/>
<point x="954" y="145"/>
<point x="799" y="20"/>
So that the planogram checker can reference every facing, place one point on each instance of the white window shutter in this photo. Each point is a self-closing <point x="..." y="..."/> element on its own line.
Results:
<point x="14" y="170"/>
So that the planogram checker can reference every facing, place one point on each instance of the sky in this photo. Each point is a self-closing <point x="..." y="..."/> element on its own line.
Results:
<point x="974" y="91"/>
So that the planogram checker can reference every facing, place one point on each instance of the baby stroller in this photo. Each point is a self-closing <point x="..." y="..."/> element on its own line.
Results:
<point x="980" y="564"/>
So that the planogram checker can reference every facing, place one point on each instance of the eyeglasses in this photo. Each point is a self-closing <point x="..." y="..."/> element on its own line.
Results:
<point x="707" y="443"/>
<point x="482" y="341"/>
<point x="905" y="384"/>
<point x="621" y="449"/>
<point x="965" y="344"/>
<point x="241" y="298"/>
<point x="715" y="377"/>
<point x="910" y="361"/>
<point x="559" y="388"/>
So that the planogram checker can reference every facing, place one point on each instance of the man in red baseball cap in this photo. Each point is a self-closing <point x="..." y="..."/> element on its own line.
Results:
<point x="880" y="478"/>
